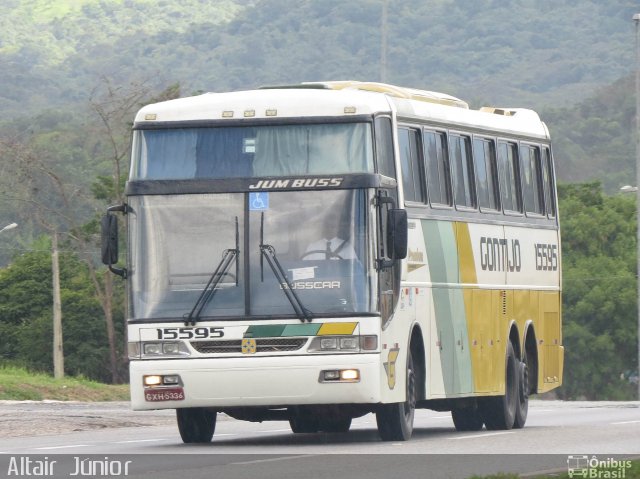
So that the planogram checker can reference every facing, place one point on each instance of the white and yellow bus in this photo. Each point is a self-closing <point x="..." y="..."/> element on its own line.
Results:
<point x="318" y="252"/>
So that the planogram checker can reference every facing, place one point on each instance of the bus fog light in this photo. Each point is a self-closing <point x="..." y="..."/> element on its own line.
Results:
<point x="350" y="375"/>
<point x="369" y="343"/>
<point x="171" y="379"/>
<point x="340" y="375"/>
<point x="331" y="375"/>
<point x="329" y="343"/>
<point x="152" y="380"/>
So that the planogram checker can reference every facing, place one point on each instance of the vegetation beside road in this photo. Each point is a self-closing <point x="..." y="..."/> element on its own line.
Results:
<point x="632" y="472"/>
<point x="20" y="384"/>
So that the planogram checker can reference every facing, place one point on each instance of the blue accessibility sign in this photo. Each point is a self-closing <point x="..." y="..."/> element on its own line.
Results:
<point x="258" y="201"/>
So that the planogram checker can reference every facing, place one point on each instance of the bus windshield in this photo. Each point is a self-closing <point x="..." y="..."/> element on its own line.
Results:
<point x="252" y="151"/>
<point x="318" y="238"/>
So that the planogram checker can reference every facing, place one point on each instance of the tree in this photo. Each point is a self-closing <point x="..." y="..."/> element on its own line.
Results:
<point x="25" y="314"/>
<point x="115" y="107"/>
<point x="599" y="292"/>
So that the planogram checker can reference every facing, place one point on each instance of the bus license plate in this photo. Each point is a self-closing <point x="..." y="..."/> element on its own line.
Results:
<point x="173" y="394"/>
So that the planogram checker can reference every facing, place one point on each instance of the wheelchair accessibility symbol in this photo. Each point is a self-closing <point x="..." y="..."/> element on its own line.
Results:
<point x="258" y="201"/>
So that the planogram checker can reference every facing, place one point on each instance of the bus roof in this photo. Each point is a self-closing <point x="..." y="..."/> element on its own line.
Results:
<point x="343" y="99"/>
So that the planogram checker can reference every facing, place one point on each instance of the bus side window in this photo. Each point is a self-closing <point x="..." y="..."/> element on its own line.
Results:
<point x="509" y="177"/>
<point x="411" y="165"/>
<point x="462" y="171"/>
<point x="437" y="166"/>
<point x="484" y="154"/>
<point x="547" y="180"/>
<point x="384" y="147"/>
<point x="531" y="179"/>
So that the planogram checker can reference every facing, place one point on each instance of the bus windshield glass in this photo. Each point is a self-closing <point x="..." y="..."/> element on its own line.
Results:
<point x="318" y="238"/>
<point x="252" y="151"/>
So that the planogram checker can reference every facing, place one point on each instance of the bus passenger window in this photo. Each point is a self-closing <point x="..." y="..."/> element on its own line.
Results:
<point x="531" y="179"/>
<point x="509" y="177"/>
<point x="437" y="161"/>
<point x="462" y="171"/>
<point x="411" y="164"/>
<point x="484" y="153"/>
<point x="547" y="180"/>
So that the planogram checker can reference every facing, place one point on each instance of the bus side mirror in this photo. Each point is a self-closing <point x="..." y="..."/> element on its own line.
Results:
<point x="109" y="250"/>
<point x="109" y="226"/>
<point x="397" y="233"/>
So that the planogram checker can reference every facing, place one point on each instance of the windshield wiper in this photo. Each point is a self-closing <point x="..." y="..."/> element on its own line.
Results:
<point x="228" y="256"/>
<point x="269" y="252"/>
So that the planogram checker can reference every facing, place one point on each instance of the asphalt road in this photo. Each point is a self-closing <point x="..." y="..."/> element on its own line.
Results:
<point x="555" y="430"/>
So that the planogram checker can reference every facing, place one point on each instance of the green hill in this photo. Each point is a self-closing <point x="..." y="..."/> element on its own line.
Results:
<point x="525" y="52"/>
<point x="550" y="55"/>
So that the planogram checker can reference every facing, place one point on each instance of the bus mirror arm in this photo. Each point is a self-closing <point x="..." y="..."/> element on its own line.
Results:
<point x="109" y="236"/>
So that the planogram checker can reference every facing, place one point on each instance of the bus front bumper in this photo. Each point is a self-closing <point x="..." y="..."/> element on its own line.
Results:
<point x="255" y="381"/>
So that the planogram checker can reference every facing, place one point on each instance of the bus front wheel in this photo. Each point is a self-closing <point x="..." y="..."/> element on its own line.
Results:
<point x="196" y="424"/>
<point x="467" y="419"/>
<point x="395" y="420"/>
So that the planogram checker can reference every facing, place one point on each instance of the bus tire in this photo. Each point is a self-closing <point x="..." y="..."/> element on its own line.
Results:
<point x="499" y="412"/>
<point x="196" y="425"/>
<point x="467" y="419"/>
<point x="303" y="423"/>
<point x="395" y="420"/>
<point x="335" y="424"/>
<point x="522" y="408"/>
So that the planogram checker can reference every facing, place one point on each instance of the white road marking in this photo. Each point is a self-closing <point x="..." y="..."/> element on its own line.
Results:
<point x="258" y="461"/>
<point x="625" y="422"/>
<point x="61" y="447"/>
<point x="483" y="435"/>
<point x="141" y="440"/>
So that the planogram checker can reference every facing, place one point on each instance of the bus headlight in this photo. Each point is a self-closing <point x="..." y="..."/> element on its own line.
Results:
<point x="158" y="349"/>
<point x="349" y="343"/>
<point x="344" y="344"/>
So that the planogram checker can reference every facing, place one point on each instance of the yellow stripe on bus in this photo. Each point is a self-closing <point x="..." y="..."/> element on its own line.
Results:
<point x="328" y="329"/>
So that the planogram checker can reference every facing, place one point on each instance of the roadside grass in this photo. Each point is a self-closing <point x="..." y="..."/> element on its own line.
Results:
<point x="20" y="384"/>
<point x="632" y="472"/>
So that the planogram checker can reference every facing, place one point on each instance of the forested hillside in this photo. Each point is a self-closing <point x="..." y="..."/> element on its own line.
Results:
<point x="595" y="139"/>
<point x="525" y="52"/>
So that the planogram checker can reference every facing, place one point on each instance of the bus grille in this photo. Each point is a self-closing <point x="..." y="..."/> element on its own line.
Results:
<point x="263" y="345"/>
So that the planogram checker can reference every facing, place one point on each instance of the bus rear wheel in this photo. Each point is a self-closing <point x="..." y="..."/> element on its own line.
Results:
<point x="499" y="412"/>
<point x="196" y="424"/>
<point x="522" y="408"/>
<point x="395" y="420"/>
